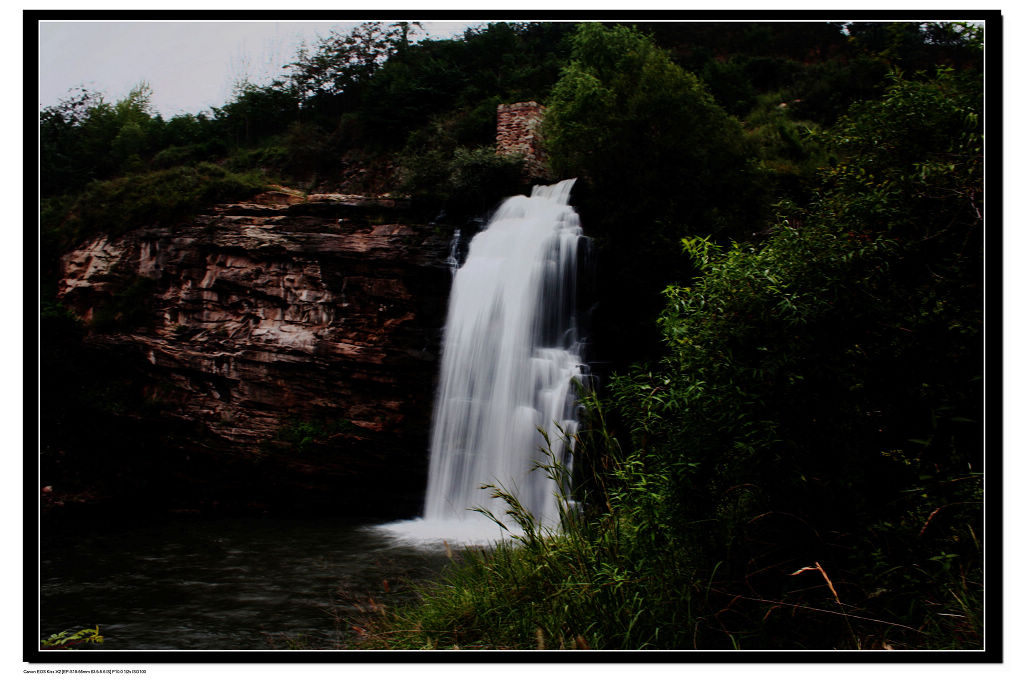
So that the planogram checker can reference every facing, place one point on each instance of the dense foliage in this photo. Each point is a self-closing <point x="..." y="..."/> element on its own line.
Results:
<point x="804" y="466"/>
<point x="366" y="112"/>
<point x="784" y="449"/>
<point x="799" y="408"/>
<point x="657" y="159"/>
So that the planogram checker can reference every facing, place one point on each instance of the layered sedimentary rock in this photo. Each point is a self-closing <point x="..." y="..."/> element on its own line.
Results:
<point x="299" y="332"/>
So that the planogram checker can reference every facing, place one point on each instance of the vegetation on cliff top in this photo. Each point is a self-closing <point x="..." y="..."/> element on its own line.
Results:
<point x="788" y="453"/>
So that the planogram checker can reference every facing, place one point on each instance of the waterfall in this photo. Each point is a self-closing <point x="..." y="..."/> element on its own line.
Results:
<point x="510" y="355"/>
<point x="452" y="261"/>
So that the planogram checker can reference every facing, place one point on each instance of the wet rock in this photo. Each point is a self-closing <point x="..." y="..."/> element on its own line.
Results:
<point x="268" y="315"/>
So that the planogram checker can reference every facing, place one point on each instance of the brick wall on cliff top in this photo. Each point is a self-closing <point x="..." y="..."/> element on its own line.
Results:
<point x="519" y="133"/>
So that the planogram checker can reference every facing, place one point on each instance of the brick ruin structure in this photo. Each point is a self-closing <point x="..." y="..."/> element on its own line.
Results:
<point x="519" y="133"/>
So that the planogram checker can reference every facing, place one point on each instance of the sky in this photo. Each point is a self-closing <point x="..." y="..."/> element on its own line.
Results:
<point x="190" y="66"/>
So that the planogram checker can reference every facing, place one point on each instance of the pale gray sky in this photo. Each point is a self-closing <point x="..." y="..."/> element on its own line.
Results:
<point x="191" y="66"/>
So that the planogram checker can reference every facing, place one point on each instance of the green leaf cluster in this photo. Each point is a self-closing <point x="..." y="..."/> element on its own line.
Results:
<point x="151" y="198"/>
<point x="313" y="435"/>
<point x="340" y="62"/>
<point x="592" y="585"/>
<point x="657" y="159"/>
<point x="830" y="378"/>
<point x="67" y="639"/>
<point x="644" y="133"/>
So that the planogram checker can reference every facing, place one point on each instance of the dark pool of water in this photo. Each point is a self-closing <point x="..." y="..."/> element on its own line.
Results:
<point x="224" y="584"/>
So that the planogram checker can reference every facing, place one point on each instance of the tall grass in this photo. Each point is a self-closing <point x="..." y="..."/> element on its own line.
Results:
<point x="593" y="584"/>
<point x="620" y="573"/>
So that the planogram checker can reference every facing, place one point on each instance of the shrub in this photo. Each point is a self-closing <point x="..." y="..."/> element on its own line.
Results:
<point x="657" y="159"/>
<point x="597" y="584"/>
<point x="158" y="197"/>
<point x="820" y="400"/>
<point x="130" y="307"/>
<point x="730" y="85"/>
<point x="67" y="639"/>
<point x="466" y="181"/>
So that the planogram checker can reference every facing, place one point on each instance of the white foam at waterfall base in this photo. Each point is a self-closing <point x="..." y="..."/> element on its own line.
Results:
<point x="510" y="358"/>
<point x="479" y="531"/>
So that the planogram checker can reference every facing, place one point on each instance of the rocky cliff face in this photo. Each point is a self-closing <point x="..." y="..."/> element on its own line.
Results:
<point x="289" y="344"/>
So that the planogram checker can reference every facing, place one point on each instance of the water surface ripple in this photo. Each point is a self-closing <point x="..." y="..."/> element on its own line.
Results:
<point x="225" y="584"/>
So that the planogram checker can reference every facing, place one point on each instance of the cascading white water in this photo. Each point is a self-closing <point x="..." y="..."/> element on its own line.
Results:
<point x="510" y="356"/>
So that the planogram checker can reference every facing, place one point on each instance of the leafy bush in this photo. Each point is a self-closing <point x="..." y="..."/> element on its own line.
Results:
<point x="595" y="585"/>
<point x="342" y="62"/>
<point x="482" y="173"/>
<point x="158" y="197"/>
<point x="465" y="181"/>
<point x="84" y="138"/>
<point x="256" y="113"/>
<point x="131" y="307"/>
<point x="67" y="639"/>
<point x="827" y="89"/>
<point x="464" y="78"/>
<point x="821" y="395"/>
<point x="311" y="435"/>
<point x="268" y="158"/>
<point x="175" y="155"/>
<point x="657" y="159"/>
<point x="791" y="149"/>
<point x="631" y="123"/>
<point x="730" y="85"/>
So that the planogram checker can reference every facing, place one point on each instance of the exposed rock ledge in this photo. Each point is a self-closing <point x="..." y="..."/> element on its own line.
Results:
<point x="275" y="312"/>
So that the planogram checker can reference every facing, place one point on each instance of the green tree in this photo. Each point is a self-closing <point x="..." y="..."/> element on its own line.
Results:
<point x="657" y="159"/>
<point x="462" y="79"/>
<point x="60" y="159"/>
<point x="85" y="138"/>
<point x="257" y="112"/>
<point x="915" y="46"/>
<point x="628" y="120"/>
<point x="822" y="391"/>
<point x="342" y="61"/>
